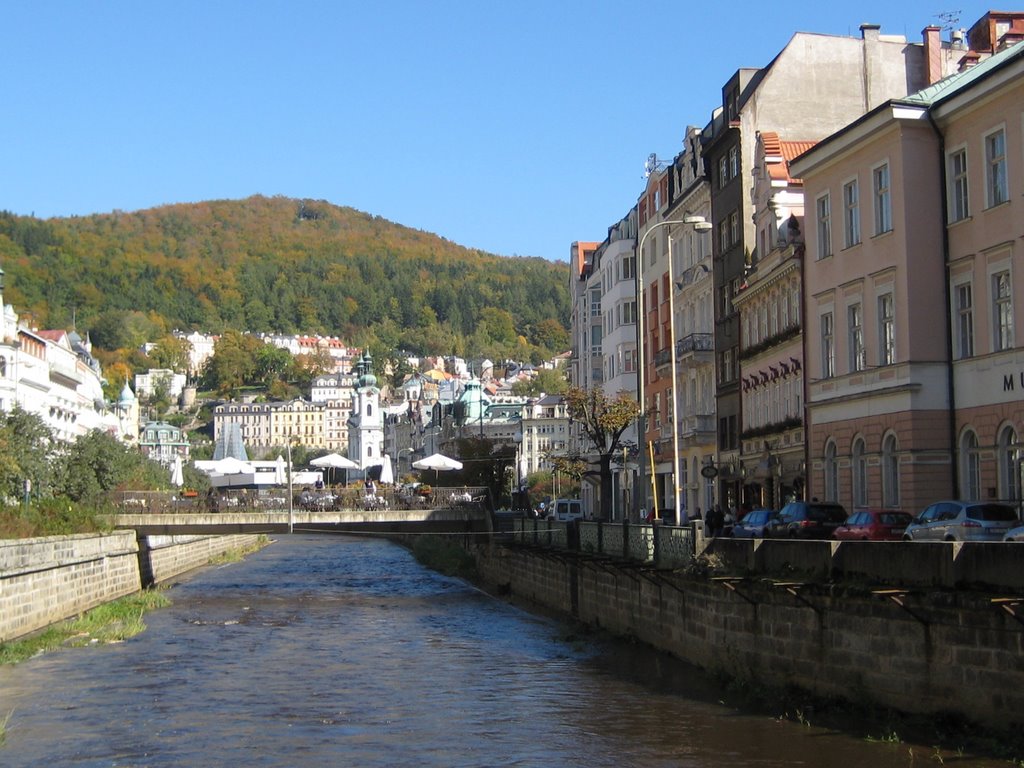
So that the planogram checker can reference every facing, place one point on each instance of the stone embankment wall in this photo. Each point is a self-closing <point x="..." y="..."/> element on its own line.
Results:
<point x="921" y="651"/>
<point x="46" y="580"/>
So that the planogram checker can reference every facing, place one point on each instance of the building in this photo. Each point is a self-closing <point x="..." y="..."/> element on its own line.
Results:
<point x="149" y="383"/>
<point x="273" y="425"/>
<point x="914" y="370"/>
<point x="816" y="85"/>
<point x="163" y="442"/>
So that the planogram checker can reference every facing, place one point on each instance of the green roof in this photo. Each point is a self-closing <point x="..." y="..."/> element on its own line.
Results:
<point x="953" y="84"/>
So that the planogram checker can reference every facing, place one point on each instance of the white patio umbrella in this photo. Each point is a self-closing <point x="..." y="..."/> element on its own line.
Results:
<point x="334" y="461"/>
<point x="280" y="471"/>
<point x="177" y="474"/>
<point x="231" y="466"/>
<point x="437" y="462"/>
<point x="387" y="474"/>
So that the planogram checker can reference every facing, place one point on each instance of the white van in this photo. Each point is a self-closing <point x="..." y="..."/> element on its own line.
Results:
<point x="564" y="510"/>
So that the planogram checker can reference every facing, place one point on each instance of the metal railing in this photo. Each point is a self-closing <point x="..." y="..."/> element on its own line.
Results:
<point x="663" y="546"/>
<point x="275" y="500"/>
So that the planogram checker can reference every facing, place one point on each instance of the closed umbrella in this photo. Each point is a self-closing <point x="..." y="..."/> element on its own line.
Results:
<point x="280" y="471"/>
<point x="177" y="474"/>
<point x="387" y="475"/>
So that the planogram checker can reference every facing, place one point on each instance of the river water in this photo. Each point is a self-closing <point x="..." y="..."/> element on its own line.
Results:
<point x="337" y="651"/>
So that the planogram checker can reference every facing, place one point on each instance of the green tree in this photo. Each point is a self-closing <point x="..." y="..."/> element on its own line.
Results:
<point x="97" y="463"/>
<point x="603" y="421"/>
<point x="274" y="364"/>
<point x="24" y="453"/>
<point x="548" y="381"/>
<point x="232" y="365"/>
<point x="171" y="352"/>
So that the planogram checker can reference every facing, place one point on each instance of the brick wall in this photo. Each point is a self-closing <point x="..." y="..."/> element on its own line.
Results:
<point x="942" y="651"/>
<point x="164" y="557"/>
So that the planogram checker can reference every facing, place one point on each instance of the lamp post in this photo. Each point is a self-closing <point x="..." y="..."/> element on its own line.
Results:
<point x="700" y="225"/>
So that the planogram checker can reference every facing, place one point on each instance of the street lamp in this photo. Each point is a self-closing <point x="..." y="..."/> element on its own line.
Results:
<point x="700" y="225"/>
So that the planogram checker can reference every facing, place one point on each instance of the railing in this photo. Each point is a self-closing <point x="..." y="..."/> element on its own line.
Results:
<point x="275" y="500"/>
<point x="663" y="546"/>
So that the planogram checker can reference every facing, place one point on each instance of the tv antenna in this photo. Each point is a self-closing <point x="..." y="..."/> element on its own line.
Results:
<point x="653" y="165"/>
<point x="949" y="19"/>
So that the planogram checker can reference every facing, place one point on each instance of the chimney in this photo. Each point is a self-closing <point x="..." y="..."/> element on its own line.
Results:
<point x="969" y="60"/>
<point x="870" y="32"/>
<point x="932" y="54"/>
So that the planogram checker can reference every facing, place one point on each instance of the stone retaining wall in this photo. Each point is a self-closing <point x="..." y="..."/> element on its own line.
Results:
<point x="46" y="580"/>
<point x="923" y="651"/>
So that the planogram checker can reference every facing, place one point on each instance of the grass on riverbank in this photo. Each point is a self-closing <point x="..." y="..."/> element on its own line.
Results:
<point x="52" y="517"/>
<point x="108" y="623"/>
<point x="445" y="557"/>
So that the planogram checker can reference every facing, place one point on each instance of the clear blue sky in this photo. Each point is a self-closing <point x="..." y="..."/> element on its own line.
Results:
<point x="512" y="126"/>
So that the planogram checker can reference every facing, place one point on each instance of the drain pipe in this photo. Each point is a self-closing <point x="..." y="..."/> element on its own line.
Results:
<point x="947" y="285"/>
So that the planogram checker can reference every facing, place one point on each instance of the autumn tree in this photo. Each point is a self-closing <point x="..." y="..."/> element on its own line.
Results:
<point x="548" y="381"/>
<point x="171" y="352"/>
<point x="603" y="421"/>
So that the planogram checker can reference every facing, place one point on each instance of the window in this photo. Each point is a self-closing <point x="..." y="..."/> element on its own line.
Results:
<point x="723" y="236"/>
<point x="886" y="330"/>
<point x="851" y="214"/>
<point x="734" y="227"/>
<point x="959" y="207"/>
<point x="734" y="162"/>
<point x="831" y="467"/>
<point x="1003" y="306"/>
<point x="824" y="209"/>
<point x="627" y="312"/>
<point x="860" y="474"/>
<point x="964" y="322"/>
<point x="1009" y="465"/>
<point x="629" y="267"/>
<point x="828" y="360"/>
<point x="723" y="171"/>
<point x="995" y="168"/>
<point x="890" y="472"/>
<point x="970" y="465"/>
<point x="855" y="318"/>
<point x="883" y="200"/>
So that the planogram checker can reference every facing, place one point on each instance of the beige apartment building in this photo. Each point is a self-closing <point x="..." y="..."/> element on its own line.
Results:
<point x="913" y="266"/>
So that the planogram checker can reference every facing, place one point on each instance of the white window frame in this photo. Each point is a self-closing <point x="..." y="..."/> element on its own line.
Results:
<point x="881" y="187"/>
<point x="1002" y="310"/>
<point x="997" y="187"/>
<point x="963" y="319"/>
<point x="851" y="213"/>
<point x="886" y="329"/>
<point x="823" y="219"/>
<point x="959" y="207"/>
<point x="828" y="345"/>
<point x="855" y="325"/>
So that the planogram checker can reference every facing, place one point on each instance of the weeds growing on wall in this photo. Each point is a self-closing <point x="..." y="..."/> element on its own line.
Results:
<point x="108" y="623"/>
<point x="51" y="517"/>
<point x="445" y="556"/>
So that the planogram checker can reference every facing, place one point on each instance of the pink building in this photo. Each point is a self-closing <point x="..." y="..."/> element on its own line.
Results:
<point x="914" y="379"/>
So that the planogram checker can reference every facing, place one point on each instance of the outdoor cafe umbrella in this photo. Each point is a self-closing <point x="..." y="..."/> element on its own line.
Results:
<point x="334" y="461"/>
<point x="437" y="462"/>
<point x="177" y="474"/>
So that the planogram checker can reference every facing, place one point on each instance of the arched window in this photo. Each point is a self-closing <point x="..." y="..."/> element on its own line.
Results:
<point x="890" y="472"/>
<point x="369" y="410"/>
<point x="970" y="465"/>
<point x="3" y="367"/>
<point x="1009" y="465"/>
<point x="831" y="472"/>
<point x="860" y="474"/>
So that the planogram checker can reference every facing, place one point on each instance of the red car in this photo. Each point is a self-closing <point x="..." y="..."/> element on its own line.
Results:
<point x="873" y="525"/>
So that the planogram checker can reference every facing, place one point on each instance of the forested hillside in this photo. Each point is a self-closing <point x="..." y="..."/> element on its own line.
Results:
<point x="278" y="264"/>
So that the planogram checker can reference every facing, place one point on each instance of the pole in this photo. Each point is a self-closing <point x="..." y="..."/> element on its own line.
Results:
<point x="291" y="500"/>
<point x="680" y="512"/>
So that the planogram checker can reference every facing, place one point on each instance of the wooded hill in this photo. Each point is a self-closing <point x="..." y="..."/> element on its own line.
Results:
<point x="279" y="265"/>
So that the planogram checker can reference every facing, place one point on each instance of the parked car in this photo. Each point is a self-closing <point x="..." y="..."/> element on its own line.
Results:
<point x="753" y="524"/>
<point x="1014" y="534"/>
<point x="962" y="521"/>
<point x="873" y="525"/>
<point x="808" y="520"/>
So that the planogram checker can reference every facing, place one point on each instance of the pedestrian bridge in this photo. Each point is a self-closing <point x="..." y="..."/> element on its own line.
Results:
<point x="445" y="510"/>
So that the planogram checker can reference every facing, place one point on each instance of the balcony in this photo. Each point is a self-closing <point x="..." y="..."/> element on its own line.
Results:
<point x="697" y="429"/>
<point x="692" y="349"/>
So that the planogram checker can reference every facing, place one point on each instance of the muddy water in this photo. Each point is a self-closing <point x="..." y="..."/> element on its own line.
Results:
<point x="330" y="651"/>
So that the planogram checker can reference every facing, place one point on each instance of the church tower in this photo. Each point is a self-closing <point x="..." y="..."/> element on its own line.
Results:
<point x="366" y="425"/>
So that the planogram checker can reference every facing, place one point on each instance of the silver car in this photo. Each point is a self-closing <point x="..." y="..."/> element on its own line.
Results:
<point x="962" y="521"/>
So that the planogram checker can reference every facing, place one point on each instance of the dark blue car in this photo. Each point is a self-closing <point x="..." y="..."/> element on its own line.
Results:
<point x="754" y="524"/>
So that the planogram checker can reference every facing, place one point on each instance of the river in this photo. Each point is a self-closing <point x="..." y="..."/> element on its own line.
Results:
<point x="337" y="651"/>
